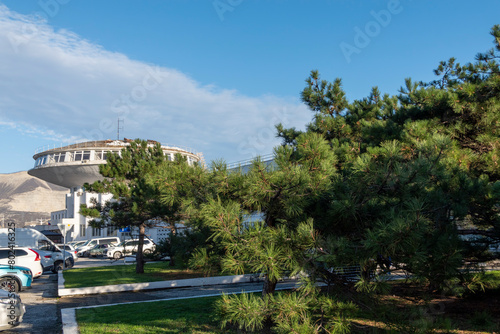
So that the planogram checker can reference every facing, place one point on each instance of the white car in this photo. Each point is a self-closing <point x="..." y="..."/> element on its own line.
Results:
<point x="70" y="249"/>
<point x="76" y="244"/>
<point x="84" y="250"/>
<point x="53" y="257"/>
<point x="11" y="310"/>
<point x="22" y="256"/>
<point x="128" y="247"/>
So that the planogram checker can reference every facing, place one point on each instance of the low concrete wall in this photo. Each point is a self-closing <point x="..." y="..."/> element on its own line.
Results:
<point x="202" y="281"/>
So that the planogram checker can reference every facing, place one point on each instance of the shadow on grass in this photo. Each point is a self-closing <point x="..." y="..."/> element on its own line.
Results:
<point x="125" y="274"/>
<point x="175" y="316"/>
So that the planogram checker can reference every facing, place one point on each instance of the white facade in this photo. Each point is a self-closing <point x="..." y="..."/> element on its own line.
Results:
<point x="81" y="230"/>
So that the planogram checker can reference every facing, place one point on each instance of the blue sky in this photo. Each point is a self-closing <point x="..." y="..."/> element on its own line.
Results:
<point x="214" y="76"/>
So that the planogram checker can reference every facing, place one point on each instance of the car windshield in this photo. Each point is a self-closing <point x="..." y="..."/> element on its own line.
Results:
<point x="126" y="243"/>
<point x="86" y="243"/>
<point x="45" y="245"/>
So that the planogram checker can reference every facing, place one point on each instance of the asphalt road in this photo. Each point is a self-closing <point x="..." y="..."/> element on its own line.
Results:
<point x="42" y="312"/>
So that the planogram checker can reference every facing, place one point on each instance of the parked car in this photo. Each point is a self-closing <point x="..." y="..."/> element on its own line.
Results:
<point x="84" y="249"/>
<point x="52" y="257"/>
<point x="70" y="249"/>
<point x="15" y="278"/>
<point x="76" y="244"/>
<point x="98" y="250"/>
<point x="130" y="247"/>
<point x="11" y="310"/>
<point x="22" y="256"/>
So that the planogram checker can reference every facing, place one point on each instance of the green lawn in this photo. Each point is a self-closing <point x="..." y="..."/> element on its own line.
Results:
<point x="392" y="313"/>
<point x="175" y="316"/>
<point x="122" y="274"/>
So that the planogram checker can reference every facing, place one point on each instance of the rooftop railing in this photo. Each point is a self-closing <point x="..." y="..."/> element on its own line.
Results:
<point x="109" y="143"/>
<point x="265" y="158"/>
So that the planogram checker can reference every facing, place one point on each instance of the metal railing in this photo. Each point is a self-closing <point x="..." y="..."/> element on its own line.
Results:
<point x="108" y="143"/>
<point x="264" y="158"/>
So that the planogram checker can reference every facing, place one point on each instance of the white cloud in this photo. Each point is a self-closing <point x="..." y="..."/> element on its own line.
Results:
<point x="63" y="87"/>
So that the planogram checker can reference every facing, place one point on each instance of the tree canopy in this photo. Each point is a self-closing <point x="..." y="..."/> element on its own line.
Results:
<point x="132" y="178"/>
<point x="402" y="177"/>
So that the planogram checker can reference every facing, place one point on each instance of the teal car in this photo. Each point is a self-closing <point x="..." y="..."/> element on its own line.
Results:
<point x="15" y="278"/>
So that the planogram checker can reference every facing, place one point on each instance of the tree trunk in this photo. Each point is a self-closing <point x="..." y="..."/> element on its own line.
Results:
<point x="269" y="286"/>
<point x="139" y="257"/>
<point x="173" y="232"/>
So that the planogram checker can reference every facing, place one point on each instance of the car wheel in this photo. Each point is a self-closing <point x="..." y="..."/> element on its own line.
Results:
<point x="117" y="255"/>
<point x="58" y="266"/>
<point x="147" y="252"/>
<point x="10" y="284"/>
<point x="69" y="263"/>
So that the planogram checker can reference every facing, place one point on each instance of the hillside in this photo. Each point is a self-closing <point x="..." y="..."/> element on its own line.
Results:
<point x="26" y="199"/>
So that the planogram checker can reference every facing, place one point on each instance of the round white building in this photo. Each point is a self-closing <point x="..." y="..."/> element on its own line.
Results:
<point x="73" y="165"/>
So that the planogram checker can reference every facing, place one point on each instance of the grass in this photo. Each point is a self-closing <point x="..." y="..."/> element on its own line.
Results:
<point x="195" y="316"/>
<point x="125" y="274"/>
<point x="192" y="316"/>
<point x="406" y="309"/>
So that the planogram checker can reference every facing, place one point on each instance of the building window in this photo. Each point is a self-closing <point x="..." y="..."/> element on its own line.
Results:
<point x="82" y="230"/>
<point x="112" y="231"/>
<point x="86" y="155"/>
<point x="101" y="155"/>
<point x="78" y="155"/>
<point x="59" y="157"/>
<point x="96" y="232"/>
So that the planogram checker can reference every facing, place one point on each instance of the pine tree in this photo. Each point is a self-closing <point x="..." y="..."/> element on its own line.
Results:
<point x="131" y="177"/>
<point x="384" y="177"/>
<point x="411" y="168"/>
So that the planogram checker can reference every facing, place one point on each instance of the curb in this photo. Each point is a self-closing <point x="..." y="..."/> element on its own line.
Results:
<point x="68" y="315"/>
<point x="190" y="282"/>
<point x="69" y="324"/>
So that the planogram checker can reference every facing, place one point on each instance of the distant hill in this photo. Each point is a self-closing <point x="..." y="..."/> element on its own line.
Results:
<point x="27" y="199"/>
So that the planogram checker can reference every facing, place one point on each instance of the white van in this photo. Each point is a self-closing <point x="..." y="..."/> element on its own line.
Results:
<point x="84" y="249"/>
<point x="52" y="256"/>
